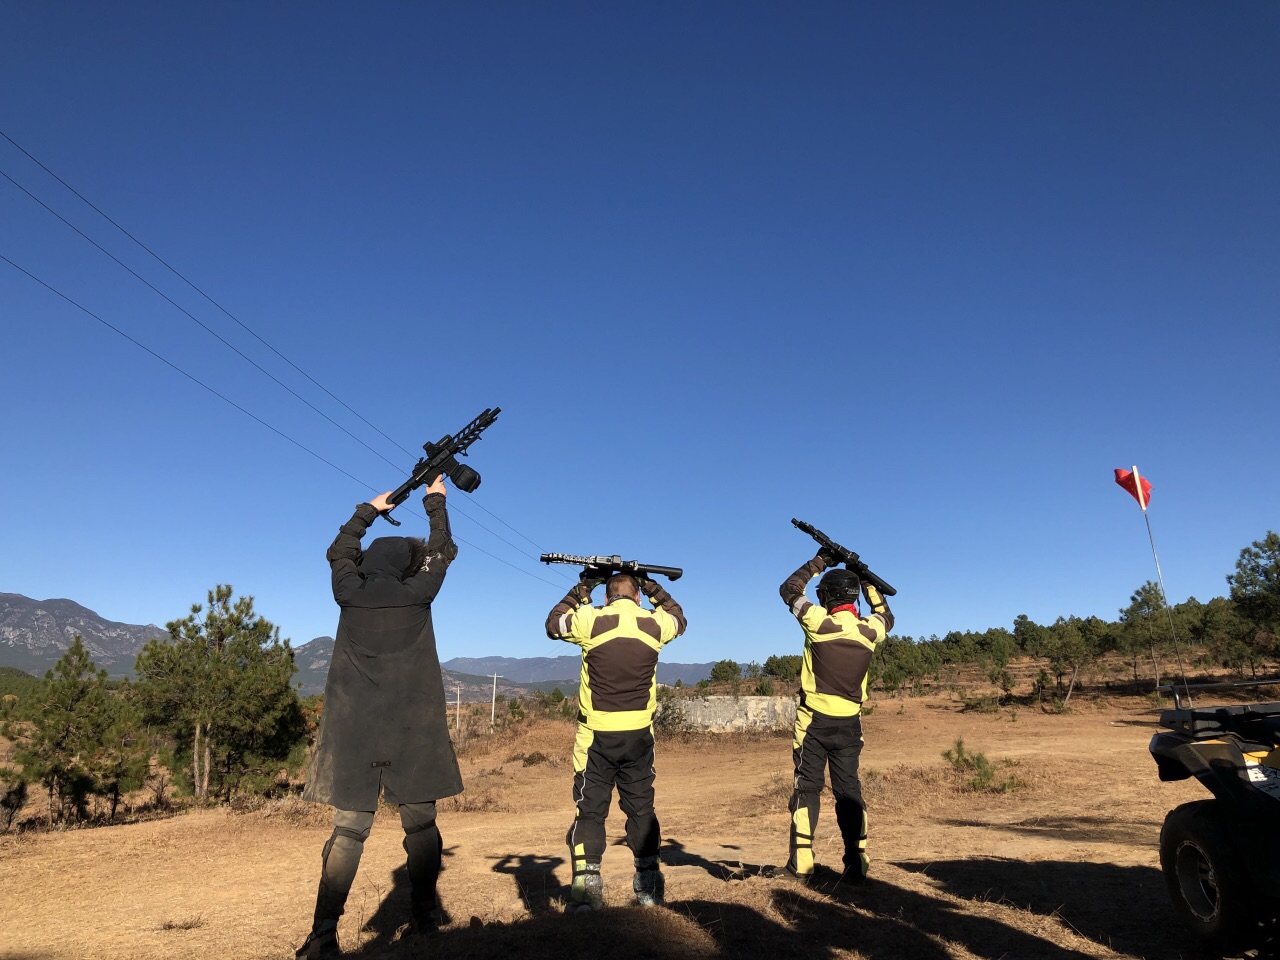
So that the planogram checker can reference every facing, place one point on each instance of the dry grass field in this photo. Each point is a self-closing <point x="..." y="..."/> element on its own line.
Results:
<point x="1062" y="867"/>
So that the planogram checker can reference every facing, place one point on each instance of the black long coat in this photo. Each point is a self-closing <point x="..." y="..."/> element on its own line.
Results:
<point x="385" y="723"/>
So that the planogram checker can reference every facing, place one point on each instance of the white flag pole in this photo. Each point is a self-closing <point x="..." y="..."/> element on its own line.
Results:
<point x="1164" y="595"/>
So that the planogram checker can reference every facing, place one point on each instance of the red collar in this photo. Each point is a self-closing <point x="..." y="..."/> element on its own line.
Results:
<point x="845" y="606"/>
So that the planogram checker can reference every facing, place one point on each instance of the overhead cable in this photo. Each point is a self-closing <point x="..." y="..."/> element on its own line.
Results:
<point x="276" y="430"/>
<point x="213" y="333"/>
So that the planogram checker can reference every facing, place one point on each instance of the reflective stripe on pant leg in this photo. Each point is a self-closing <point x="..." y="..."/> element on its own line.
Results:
<point x="586" y="837"/>
<point x="338" y="864"/>
<point x="810" y="762"/>
<point x="592" y="790"/>
<point x="635" y="778"/>
<point x="424" y="848"/>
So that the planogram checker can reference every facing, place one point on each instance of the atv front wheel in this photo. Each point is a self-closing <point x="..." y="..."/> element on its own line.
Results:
<point x="1209" y="886"/>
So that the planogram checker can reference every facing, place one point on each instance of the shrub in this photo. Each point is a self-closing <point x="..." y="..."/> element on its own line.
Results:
<point x="978" y="771"/>
<point x="764" y="688"/>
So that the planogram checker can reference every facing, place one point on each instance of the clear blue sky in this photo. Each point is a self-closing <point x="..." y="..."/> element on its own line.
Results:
<point x="922" y="274"/>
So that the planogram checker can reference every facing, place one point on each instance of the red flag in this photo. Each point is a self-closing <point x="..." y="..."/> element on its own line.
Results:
<point x="1139" y="487"/>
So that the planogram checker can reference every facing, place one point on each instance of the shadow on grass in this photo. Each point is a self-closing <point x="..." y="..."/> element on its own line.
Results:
<point x="1143" y="834"/>
<point x="675" y="854"/>
<point x="982" y="908"/>
<point x="1124" y="908"/>
<point x="535" y="878"/>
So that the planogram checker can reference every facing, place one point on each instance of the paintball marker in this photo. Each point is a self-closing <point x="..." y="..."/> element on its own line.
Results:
<point x="442" y="458"/>
<point x="602" y="568"/>
<point x="845" y="556"/>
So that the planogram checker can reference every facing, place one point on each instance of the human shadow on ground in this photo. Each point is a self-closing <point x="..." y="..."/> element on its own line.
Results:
<point x="676" y="854"/>
<point x="393" y="915"/>
<point x="883" y="919"/>
<point x="535" y="878"/>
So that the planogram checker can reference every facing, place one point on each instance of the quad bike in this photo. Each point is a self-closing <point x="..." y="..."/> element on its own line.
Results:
<point x="1221" y="857"/>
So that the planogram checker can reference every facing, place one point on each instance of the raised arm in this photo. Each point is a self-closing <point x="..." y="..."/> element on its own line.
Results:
<point x="792" y="589"/>
<point x="441" y="550"/>
<point x="879" y="606"/>
<point x="663" y="601"/>
<point x="344" y="553"/>
<point x="560" y="619"/>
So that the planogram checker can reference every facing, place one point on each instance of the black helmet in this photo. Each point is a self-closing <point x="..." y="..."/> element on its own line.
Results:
<point x="838" y="587"/>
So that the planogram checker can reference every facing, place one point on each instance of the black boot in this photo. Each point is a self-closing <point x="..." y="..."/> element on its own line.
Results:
<point x="321" y="944"/>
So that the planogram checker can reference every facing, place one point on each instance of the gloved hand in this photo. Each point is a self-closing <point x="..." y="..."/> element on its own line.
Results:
<point x="828" y="558"/>
<point x="588" y="580"/>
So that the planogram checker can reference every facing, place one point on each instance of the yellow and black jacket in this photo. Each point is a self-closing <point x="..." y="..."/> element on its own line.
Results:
<point x="620" y="643"/>
<point x="838" y="645"/>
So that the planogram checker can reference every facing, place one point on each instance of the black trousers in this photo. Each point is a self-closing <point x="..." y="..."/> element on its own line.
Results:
<point x="602" y="760"/>
<point x="821" y="743"/>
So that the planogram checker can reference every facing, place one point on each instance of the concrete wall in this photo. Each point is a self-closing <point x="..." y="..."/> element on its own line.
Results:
<point x="728" y="714"/>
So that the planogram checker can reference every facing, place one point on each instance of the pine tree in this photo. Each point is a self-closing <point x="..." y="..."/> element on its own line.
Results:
<point x="58" y="730"/>
<point x="221" y="683"/>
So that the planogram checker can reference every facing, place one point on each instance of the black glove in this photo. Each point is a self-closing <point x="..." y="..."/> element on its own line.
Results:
<point x="590" y="578"/>
<point x="829" y="558"/>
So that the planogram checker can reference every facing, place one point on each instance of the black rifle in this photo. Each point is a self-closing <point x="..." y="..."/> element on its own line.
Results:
<point x="442" y="458"/>
<point x="602" y="568"/>
<point x="846" y="556"/>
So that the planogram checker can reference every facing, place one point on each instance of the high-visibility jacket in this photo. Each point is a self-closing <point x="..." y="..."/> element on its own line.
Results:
<point x="618" y="689"/>
<point x="838" y="645"/>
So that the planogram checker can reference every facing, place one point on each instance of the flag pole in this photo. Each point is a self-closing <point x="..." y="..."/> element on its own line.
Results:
<point x="1177" y="649"/>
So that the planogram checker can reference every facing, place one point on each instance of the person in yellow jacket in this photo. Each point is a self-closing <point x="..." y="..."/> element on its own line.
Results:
<point x="617" y="696"/>
<point x="838" y="644"/>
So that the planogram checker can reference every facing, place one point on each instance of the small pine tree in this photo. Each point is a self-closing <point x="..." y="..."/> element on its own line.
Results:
<point x="59" y="729"/>
<point x="726" y="671"/>
<point x="221" y="684"/>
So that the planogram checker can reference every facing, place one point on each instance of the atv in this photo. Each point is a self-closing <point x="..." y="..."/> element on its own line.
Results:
<point x="1221" y="857"/>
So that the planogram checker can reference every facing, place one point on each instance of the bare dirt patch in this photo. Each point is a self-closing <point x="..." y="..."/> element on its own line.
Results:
<point x="1063" y="867"/>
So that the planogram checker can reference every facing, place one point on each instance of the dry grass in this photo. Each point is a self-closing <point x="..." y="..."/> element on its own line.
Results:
<point x="193" y="922"/>
<point x="1063" y="868"/>
<point x="297" y="812"/>
<point x="475" y="801"/>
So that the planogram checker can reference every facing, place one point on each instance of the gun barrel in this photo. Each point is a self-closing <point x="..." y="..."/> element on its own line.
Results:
<point x="671" y="573"/>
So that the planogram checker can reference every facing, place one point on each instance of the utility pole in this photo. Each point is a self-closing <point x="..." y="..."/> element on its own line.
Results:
<point x="493" y="703"/>
<point x="457" y="710"/>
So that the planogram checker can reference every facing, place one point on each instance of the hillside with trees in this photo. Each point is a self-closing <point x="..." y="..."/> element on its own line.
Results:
<point x="212" y="714"/>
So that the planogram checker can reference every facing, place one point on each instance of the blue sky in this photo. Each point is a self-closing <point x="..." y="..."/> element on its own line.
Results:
<point x="922" y="274"/>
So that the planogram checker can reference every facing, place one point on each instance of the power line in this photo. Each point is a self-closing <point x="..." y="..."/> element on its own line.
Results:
<point x="174" y="270"/>
<point x="194" y="319"/>
<point x="213" y="333"/>
<point x="276" y="430"/>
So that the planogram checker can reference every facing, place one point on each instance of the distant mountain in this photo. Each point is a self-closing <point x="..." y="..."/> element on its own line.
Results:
<point x="544" y="669"/>
<point x="312" y="660"/>
<point x="35" y="633"/>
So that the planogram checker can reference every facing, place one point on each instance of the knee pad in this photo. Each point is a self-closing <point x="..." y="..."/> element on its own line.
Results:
<point x="346" y="833"/>
<point x="419" y="827"/>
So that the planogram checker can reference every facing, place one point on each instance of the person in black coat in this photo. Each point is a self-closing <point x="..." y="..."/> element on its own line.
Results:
<point x="385" y="727"/>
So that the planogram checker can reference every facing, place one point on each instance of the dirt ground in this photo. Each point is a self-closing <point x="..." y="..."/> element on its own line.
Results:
<point x="1064" y="866"/>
